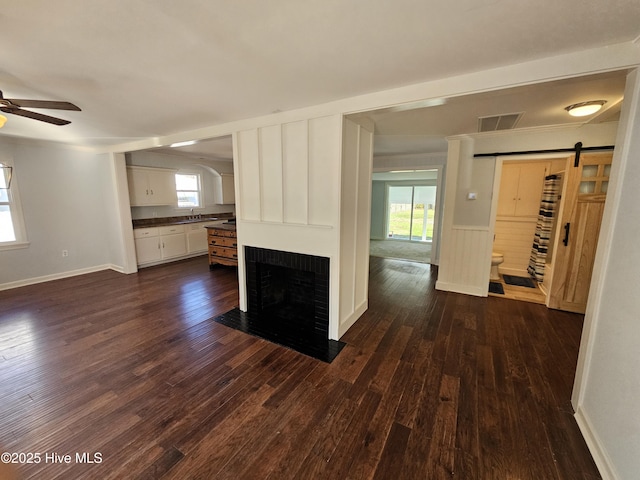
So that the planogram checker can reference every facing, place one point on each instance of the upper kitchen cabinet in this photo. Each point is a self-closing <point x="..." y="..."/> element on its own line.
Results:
<point x="151" y="186"/>
<point x="225" y="193"/>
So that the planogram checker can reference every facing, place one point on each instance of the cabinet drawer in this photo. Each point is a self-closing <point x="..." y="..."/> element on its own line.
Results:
<point x="145" y="232"/>
<point x="223" y="252"/>
<point x="223" y="241"/>
<point x="222" y="233"/>
<point x="171" y="229"/>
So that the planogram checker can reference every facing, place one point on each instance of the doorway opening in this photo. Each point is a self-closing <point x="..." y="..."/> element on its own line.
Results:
<point x="405" y="215"/>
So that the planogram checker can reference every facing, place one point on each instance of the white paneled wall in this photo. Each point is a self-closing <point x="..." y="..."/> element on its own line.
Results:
<point x="290" y="173"/>
<point x="288" y="195"/>
<point x="464" y="253"/>
<point x="514" y="238"/>
<point x="355" y="222"/>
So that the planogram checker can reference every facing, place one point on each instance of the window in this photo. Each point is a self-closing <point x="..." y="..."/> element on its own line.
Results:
<point x="188" y="188"/>
<point x="11" y="223"/>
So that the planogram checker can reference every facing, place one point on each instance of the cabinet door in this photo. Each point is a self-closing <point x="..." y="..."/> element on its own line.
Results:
<point x="162" y="188"/>
<point x="174" y="245"/>
<point x="508" y="196"/>
<point x="147" y="249"/>
<point x="138" y="187"/>
<point x="530" y="186"/>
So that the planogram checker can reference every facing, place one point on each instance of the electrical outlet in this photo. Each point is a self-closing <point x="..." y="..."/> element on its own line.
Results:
<point x="65" y="253"/>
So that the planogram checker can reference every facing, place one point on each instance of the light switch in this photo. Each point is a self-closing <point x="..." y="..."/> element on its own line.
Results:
<point x="472" y="196"/>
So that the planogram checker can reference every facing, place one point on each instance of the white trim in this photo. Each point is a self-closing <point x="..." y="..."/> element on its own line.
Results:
<point x="473" y="228"/>
<point x="600" y="457"/>
<point x="58" y="276"/>
<point x="14" y="245"/>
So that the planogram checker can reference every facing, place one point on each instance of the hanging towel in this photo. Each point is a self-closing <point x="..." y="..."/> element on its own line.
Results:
<point x="546" y="214"/>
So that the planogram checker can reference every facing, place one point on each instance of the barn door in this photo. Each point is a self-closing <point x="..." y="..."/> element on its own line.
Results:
<point x="579" y="226"/>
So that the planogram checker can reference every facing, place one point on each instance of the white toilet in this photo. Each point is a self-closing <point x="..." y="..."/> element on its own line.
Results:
<point x="496" y="259"/>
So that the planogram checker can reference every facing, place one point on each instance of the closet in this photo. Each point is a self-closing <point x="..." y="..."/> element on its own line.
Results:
<point x="518" y="206"/>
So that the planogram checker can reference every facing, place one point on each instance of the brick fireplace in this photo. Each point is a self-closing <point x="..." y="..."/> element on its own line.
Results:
<point x="291" y="289"/>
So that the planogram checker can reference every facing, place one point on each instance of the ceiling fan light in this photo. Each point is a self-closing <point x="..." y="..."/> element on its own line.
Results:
<point x="585" y="108"/>
<point x="3" y="120"/>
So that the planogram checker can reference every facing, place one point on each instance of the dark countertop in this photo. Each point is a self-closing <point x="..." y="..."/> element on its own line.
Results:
<point x="162" y="221"/>
<point x="230" y="227"/>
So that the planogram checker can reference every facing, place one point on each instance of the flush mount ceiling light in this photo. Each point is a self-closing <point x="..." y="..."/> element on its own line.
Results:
<point x="182" y="144"/>
<point x="585" y="108"/>
<point x="3" y="119"/>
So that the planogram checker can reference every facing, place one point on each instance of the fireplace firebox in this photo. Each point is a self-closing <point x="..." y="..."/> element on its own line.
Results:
<point x="289" y="288"/>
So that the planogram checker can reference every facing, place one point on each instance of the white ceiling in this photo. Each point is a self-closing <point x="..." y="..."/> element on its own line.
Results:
<point x="157" y="67"/>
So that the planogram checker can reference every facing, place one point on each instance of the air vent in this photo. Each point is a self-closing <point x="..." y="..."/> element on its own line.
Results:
<point x="499" y="122"/>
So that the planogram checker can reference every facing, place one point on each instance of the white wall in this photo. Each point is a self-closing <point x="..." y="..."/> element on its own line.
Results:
<point x="607" y="386"/>
<point x="67" y="199"/>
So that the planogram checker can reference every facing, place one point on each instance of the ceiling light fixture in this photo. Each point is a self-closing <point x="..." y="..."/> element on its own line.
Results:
<point x="182" y="144"/>
<point x="3" y="119"/>
<point x="585" y="108"/>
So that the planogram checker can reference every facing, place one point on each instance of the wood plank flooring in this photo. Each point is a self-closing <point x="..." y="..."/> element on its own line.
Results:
<point x="431" y="385"/>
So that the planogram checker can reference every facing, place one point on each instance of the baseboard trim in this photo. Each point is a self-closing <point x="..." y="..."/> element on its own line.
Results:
<point x="58" y="276"/>
<point x="600" y="457"/>
<point x="464" y="289"/>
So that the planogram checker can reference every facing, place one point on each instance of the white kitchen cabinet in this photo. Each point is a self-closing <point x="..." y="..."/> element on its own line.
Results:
<point x="225" y="191"/>
<point x="173" y="241"/>
<point x="147" y="245"/>
<point x="151" y="186"/>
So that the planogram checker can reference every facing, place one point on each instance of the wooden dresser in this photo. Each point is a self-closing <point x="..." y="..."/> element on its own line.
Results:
<point x="223" y="244"/>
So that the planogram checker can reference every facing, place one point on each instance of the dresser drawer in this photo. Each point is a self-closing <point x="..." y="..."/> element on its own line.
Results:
<point x="223" y="252"/>
<point x="221" y="232"/>
<point x="223" y="241"/>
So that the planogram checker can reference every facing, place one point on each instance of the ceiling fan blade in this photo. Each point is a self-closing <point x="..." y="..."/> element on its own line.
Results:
<point x="36" y="116"/>
<point x="43" y="104"/>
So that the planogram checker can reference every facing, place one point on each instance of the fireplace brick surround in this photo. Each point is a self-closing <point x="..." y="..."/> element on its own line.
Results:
<point x="287" y="285"/>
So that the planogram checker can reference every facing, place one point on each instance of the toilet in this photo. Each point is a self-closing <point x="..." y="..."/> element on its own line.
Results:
<point x="496" y="259"/>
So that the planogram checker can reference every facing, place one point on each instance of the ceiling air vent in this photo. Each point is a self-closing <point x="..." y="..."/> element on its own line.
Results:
<point x="498" y="122"/>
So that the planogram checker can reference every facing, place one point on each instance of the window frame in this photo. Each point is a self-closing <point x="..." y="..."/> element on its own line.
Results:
<point x="15" y="209"/>
<point x="198" y="192"/>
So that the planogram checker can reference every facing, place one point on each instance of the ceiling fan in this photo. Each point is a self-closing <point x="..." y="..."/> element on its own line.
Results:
<point x="15" y="107"/>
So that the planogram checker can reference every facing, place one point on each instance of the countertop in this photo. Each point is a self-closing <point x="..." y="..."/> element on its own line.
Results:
<point x="230" y="227"/>
<point x="183" y="220"/>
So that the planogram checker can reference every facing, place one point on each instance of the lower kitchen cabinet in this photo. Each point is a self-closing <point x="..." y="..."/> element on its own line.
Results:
<point x="170" y="242"/>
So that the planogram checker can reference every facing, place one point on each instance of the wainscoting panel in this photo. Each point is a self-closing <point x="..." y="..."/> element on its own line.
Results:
<point x="466" y="259"/>
<point x="295" y="172"/>
<point x="514" y="238"/>
<point x="271" y="164"/>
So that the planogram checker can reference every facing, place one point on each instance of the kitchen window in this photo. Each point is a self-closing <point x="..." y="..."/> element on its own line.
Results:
<point x="188" y="189"/>
<point x="11" y="222"/>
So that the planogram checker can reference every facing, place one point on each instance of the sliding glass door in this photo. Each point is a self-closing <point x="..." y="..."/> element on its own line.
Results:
<point x="411" y="211"/>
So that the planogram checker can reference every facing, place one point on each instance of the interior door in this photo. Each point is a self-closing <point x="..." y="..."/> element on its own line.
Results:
<point x="585" y="195"/>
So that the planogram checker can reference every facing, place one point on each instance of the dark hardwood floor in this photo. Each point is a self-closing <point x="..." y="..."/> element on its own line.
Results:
<point x="430" y="385"/>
